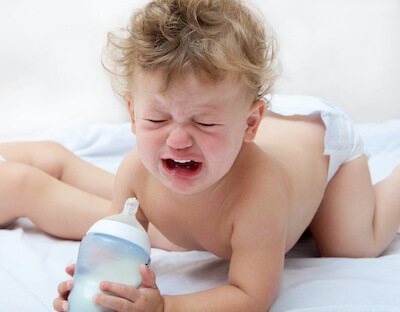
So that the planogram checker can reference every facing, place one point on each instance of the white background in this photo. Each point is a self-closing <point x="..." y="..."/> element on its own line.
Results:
<point x="346" y="51"/>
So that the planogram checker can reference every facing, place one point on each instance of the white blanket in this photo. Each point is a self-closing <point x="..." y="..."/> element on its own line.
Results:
<point x="32" y="263"/>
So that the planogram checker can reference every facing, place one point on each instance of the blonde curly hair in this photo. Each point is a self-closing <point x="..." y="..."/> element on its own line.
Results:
<point x="211" y="37"/>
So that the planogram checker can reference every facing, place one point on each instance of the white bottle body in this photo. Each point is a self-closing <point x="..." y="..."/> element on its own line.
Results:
<point x="104" y="257"/>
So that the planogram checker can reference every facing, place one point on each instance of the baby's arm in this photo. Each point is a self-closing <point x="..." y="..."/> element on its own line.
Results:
<point x="258" y="243"/>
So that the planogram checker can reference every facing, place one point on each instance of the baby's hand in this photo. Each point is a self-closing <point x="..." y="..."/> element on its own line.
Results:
<point x="146" y="298"/>
<point x="61" y="304"/>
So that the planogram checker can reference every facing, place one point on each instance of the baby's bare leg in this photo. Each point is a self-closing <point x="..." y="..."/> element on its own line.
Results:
<point x="58" y="191"/>
<point x="356" y="219"/>
<point x="55" y="207"/>
<point x="55" y="160"/>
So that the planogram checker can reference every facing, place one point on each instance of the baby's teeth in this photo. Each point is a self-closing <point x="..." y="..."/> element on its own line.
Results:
<point x="182" y="161"/>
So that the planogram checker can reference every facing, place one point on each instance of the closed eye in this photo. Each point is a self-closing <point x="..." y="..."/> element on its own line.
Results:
<point x="206" y="124"/>
<point x="156" y="121"/>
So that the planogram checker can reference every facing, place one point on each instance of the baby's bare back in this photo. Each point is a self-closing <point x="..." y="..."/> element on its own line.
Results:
<point x="297" y="142"/>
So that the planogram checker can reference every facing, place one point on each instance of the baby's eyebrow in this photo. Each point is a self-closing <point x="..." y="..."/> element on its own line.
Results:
<point x="208" y="113"/>
<point x="156" y="103"/>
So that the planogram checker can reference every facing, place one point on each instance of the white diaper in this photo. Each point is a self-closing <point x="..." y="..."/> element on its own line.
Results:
<point x="342" y="141"/>
<point x="2" y="158"/>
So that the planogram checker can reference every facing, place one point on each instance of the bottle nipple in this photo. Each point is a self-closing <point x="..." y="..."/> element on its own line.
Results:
<point x="128" y="215"/>
<point x="131" y="206"/>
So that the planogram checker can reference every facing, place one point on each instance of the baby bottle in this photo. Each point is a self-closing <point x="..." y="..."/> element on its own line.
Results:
<point x="112" y="250"/>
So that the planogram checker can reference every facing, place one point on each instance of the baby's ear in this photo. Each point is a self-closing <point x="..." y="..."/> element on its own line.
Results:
<point x="253" y="120"/>
<point x="129" y="104"/>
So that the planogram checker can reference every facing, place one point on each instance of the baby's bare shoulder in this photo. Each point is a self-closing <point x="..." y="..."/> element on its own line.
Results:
<point x="131" y="173"/>
<point x="263" y="189"/>
<point x="264" y="175"/>
<point x="132" y="163"/>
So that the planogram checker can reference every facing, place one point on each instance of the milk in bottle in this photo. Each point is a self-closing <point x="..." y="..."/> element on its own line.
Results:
<point x="112" y="250"/>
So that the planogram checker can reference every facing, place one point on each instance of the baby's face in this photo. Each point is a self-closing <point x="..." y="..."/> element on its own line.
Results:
<point x="188" y="135"/>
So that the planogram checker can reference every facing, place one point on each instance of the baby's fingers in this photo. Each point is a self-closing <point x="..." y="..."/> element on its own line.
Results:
<point x="70" y="269"/>
<point x="61" y="303"/>
<point x="64" y="288"/>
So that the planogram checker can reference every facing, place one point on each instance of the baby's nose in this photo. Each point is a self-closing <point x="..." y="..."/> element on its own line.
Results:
<point x="179" y="139"/>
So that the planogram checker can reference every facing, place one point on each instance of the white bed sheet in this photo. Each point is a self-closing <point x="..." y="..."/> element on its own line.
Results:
<point x="32" y="263"/>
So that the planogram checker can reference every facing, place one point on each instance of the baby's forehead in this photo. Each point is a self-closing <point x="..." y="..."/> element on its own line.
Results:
<point x="188" y="88"/>
<point x="164" y="81"/>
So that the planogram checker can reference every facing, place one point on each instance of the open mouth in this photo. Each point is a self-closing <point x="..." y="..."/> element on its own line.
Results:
<point x="182" y="168"/>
